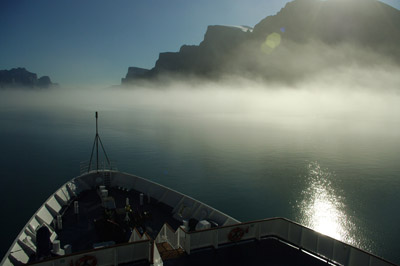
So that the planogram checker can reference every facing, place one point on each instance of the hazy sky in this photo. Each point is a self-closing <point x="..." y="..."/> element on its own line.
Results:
<point x="93" y="42"/>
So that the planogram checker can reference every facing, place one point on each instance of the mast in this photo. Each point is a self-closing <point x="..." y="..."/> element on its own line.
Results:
<point x="96" y="144"/>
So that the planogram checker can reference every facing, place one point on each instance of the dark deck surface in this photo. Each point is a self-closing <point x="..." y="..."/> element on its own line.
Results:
<point x="137" y="263"/>
<point x="264" y="252"/>
<point x="82" y="231"/>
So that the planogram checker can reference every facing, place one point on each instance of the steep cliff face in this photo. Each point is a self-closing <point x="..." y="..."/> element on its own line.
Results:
<point x="366" y="22"/>
<point x="134" y="73"/>
<point x="219" y="43"/>
<point x="44" y="82"/>
<point x="225" y="37"/>
<point x="20" y="77"/>
<point x="264" y="50"/>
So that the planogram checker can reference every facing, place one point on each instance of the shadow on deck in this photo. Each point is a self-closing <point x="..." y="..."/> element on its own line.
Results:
<point x="269" y="251"/>
<point x="81" y="231"/>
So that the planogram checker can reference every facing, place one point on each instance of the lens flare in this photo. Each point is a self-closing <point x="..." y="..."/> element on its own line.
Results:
<point x="272" y="41"/>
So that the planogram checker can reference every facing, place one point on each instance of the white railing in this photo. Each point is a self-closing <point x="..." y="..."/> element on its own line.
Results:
<point x="305" y="239"/>
<point x="157" y="260"/>
<point x="123" y="253"/>
<point x="167" y="234"/>
<point x="86" y="168"/>
<point x="136" y="236"/>
<point x="25" y="243"/>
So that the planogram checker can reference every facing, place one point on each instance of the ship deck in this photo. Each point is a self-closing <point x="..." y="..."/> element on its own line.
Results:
<point x="80" y="232"/>
<point x="268" y="251"/>
<point x="88" y="229"/>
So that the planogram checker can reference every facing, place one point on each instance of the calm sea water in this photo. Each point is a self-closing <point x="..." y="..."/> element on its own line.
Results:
<point x="339" y="178"/>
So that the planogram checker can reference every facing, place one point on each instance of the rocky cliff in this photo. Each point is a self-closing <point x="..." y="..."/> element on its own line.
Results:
<point x="21" y="78"/>
<point x="134" y="73"/>
<point x="284" y="45"/>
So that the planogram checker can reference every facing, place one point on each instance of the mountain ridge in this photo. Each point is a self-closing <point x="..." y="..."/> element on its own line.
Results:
<point x="22" y="78"/>
<point x="358" y="27"/>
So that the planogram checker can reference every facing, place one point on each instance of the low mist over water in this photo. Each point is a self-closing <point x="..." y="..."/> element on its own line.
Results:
<point x="347" y="92"/>
<point x="323" y="152"/>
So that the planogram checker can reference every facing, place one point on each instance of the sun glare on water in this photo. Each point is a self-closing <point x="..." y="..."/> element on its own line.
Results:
<point x="322" y="209"/>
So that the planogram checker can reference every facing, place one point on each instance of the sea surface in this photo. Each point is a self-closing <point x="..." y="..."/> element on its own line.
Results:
<point x="337" y="176"/>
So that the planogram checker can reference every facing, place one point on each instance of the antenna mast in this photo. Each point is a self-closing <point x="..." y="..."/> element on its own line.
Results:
<point x="96" y="143"/>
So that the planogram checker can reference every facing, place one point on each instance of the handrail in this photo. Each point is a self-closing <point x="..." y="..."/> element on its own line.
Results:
<point x="295" y="234"/>
<point x="156" y="257"/>
<point x="167" y="233"/>
<point x="103" y="165"/>
<point x="137" y="236"/>
<point x="99" y="252"/>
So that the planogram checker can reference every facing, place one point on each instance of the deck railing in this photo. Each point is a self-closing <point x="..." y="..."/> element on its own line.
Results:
<point x="167" y="234"/>
<point x="118" y="254"/>
<point x="298" y="236"/>
<point x="84" y="166"/>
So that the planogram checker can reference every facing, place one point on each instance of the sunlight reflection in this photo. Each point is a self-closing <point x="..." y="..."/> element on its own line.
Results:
<point x="323" y="209"/>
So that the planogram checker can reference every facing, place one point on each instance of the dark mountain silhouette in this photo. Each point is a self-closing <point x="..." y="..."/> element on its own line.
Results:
<point x="21" y="78"/>
<point x="366" y="22"/>
<point x="304" y="37"/>
<point x="133" y="73"/>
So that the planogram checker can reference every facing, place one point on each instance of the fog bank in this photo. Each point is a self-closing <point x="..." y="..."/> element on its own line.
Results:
<point x="371" y="92"/>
